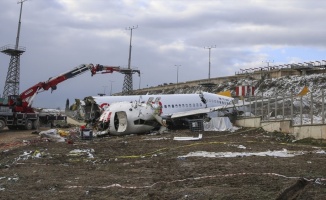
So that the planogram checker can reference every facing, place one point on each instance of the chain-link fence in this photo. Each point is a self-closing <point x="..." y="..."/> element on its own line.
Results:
<point x="302" y="110"/>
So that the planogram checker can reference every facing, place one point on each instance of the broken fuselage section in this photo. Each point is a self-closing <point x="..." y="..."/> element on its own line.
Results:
<point x="119" y="118"/>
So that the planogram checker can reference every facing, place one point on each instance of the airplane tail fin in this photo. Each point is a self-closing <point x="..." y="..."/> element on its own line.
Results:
<point x="304" y="91"/>
<point x="225" y="93"/>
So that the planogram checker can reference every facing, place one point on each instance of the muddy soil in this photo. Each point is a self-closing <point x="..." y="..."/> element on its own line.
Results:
<point x="157" y="167"/>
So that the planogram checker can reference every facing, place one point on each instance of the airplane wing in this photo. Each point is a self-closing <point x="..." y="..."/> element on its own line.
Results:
<point x="207" y="110"/>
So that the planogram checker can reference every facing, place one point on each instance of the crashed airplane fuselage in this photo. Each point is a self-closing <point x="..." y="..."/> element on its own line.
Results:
<point x="121" y="115"/>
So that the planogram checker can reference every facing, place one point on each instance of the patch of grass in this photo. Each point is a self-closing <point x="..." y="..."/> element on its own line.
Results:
<point x="312" y="141"/>
<point x="282" y="137"/>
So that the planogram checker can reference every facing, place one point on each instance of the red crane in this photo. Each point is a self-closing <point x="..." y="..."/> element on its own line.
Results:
<point x="22" y="103"/>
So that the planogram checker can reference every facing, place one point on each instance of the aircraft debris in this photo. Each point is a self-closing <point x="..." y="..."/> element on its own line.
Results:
<point x="52" y="135"/>
<point x="200" y="136"/>
<point x="82" y="152"/>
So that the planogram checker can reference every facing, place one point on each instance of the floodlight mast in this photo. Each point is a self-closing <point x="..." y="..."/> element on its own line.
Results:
<point x="177" y="73"/>
<point x="268" y="61"/>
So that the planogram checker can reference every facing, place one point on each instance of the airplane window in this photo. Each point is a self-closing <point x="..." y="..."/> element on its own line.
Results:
<point x="214" y="101"/>
<point x="201" y="105"/>
<point x="165" y="106"/>
<point x="197" y="104"/>
<point x="183" y="105"/>
<point x="193" y="105"/>
<point x="169" y="106"/>
<point x="180" y="105"/>
<point x="190" y="105"/>
<point x="176" y="105"/>
<point x="187" y="105"/>
<point x="172" y="106"/>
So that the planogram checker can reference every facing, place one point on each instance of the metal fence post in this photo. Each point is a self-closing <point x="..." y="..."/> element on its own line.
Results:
<point x="283" y="107"/>
<point x="268" y="111"/>
<point x="300" y="110"/>
<point x="322" y="107"/>
<point x="311" y="109"/>
<point x="255" y="106"/>
<point x="275" y="107"/>
<point x="262" y="107"/>
<point x="250" y="105"/>
<point x="291" y="106"/>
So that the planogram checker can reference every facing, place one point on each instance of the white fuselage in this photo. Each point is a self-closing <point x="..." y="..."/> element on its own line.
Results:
<point x="122" y="115"/>
<point x="171" y="103"/>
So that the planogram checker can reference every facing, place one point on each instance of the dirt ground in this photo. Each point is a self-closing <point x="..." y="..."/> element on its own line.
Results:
<point x="156" y="167"/>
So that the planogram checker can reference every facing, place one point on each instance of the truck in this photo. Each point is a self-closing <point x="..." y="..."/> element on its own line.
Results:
<point x="16" y="111"/>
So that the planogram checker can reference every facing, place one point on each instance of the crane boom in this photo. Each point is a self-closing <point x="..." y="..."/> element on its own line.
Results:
<point x="25" y="99"/>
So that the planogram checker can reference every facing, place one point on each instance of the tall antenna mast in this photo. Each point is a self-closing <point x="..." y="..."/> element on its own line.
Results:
<point x="130" y="28"/>
<point x="19" y="22"/>
<point x="127" y="83"/>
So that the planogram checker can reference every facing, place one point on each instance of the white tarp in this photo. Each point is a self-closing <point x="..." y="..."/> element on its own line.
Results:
<point x="52" y="135"/>
<point x="219" y="124"/>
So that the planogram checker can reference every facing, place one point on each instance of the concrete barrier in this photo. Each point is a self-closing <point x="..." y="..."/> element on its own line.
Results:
<point x="311" y="131"/>
<point x="254" y="122"/>
<point x="285" y="126"/>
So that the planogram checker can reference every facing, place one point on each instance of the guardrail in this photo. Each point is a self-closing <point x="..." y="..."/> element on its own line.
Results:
<point x="301" y="110"/>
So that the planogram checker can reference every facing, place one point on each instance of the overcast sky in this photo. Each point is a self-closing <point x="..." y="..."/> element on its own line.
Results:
<point x="62" y="34"/>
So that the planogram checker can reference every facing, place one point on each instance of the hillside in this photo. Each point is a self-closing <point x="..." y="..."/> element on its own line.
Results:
<point x="269" y="87"/>
<point x="280" y="88"/>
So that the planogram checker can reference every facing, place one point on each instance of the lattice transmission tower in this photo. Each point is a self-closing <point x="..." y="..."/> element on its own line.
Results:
<point x="13" y="75"/>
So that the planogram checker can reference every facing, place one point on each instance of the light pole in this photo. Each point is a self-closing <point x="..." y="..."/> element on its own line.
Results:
<point x="140" y="79"/>
<point x="104" y="88"/>
<point x="177" y="72"/>
<point x="111" y="88"/>
<point x="209" y="59"/>
<point x="268" y="61"/>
